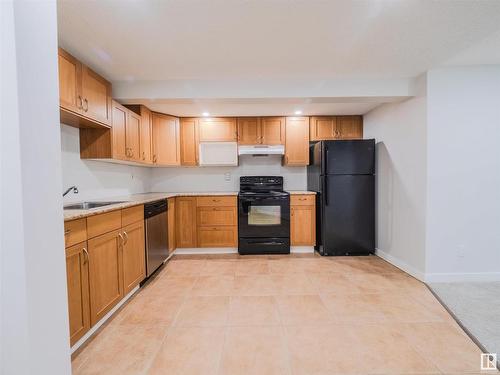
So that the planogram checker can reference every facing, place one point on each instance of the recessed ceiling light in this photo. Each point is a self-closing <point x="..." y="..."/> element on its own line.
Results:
<point x="205" y="114"/>
<point x="298" y="112"/>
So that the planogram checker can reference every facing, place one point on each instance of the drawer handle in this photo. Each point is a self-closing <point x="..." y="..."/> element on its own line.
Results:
<point x="215" y="200"/>
<point x="67" y="231"/>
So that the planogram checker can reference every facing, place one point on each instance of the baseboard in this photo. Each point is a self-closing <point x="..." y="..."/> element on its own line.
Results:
<point x="401" y="265"/>
<point x="206" y="250"/>
<point x="103" y="320"/>
<point x="462" y="277"/>
<point x="301" y="249"/>
<point x="234" y="250"/>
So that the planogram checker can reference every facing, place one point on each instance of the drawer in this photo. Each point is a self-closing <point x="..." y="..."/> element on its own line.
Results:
<point x="75" y="231"/>
<point x="303" y="200"/>
<point x="222" y="200"/>
<point x="215" y="216"/>
<point x="218" y="236"/>
<point x="132" y="214"/>
<point x="103" y="223"/>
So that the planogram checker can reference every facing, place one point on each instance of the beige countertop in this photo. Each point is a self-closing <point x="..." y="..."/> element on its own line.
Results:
<point x="136" y="199"/>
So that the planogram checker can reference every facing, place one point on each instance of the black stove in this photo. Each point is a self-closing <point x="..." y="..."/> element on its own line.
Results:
<point x="264" y="216"/>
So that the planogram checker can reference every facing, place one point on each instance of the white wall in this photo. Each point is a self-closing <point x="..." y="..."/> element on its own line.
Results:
<point x="463" y="210"/>
<point x="97" y="179"/>
<point x="33" y="299"/>
<point x="213" y="178"/>
<point x="400" y="133"/>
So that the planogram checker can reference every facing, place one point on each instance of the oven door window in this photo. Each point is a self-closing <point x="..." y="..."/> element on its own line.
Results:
<point x="264" y="215"/>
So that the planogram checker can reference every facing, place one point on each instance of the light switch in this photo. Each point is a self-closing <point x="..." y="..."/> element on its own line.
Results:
<point x="227" y="176"/>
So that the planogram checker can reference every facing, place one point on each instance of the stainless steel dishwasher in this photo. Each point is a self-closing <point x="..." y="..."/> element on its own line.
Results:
<point x="156" y="222"/>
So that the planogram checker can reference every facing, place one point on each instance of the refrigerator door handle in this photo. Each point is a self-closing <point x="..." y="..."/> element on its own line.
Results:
<point x="325" y="159"/>
<point x="325" y="189"/>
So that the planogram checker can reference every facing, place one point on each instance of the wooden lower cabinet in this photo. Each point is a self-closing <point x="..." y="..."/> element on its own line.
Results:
<point x="220" y="236"/>
<point x="302" y="220"/>
<point x="214" y="216"/>
<point x="77" y="276"/>
<point x="185" y="217"/>
<point x="105" y="274"/>
<point x="133" y="256"/>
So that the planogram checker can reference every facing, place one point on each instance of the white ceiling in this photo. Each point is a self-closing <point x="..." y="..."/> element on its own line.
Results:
<point x="192" y="42"/>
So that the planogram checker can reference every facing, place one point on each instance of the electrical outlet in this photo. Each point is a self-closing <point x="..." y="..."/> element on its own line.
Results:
<point x="227" y="176"/>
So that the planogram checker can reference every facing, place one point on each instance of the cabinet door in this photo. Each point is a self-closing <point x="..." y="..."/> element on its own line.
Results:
<point x="218" y="129"/>
<point x="70" y="73"/>
<point x="297" y="141"/>
<point x="77" y="276"/>
<point x="133" y="258"/>
<point x="323" y="128"/>
<point x="224" y="236"/>
<point x="249" y="131"/>
<point x="145" y="137"/>
<point x="96" y="94"/>
<point x="302" y="226"/>
<point x="189" y="141"/>
<point x="217" y="216"/>
<point x="171" y="224"/>
<point x="166" y="140"/>
<point x="350" y="127"/>
<point x="119" y="126"/>
<point x="132" y="136"/>
<point x="185" y="223"/>
<point x="272" y="130"/>
<point x="105" y="274"/>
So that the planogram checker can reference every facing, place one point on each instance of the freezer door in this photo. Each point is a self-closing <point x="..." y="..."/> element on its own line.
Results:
<point x="348" y="157"/>
<point x="347" y="215"/>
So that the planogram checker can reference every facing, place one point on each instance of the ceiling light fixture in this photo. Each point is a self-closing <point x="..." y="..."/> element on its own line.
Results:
<point x="298" y="112"/>
<point x="205" y="114"/>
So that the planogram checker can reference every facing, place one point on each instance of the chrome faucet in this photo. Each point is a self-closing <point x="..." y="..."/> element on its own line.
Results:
<point x="74" y="188"/>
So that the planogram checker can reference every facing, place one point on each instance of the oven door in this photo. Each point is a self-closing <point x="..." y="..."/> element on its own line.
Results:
<point x="264" y="216"/>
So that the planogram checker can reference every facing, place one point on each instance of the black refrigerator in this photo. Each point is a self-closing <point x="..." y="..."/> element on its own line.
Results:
<point x="343" y="175"/>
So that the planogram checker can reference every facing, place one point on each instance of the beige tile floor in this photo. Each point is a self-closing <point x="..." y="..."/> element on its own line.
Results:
<point x="280" y="315"/>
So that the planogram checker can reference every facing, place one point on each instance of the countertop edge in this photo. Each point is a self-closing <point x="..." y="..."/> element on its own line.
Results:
<point x="149" y="197"/>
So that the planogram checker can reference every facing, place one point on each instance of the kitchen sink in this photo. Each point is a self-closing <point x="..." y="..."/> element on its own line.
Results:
<point x="89" y="205"/>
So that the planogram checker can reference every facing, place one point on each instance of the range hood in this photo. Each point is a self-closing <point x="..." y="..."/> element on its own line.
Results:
<point x="261" y="150"/>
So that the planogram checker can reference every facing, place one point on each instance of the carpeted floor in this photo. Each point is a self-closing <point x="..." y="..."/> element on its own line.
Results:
<point x="477" y="307"/>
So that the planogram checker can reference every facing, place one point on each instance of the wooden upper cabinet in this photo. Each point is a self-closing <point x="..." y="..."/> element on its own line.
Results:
<point x="146" y="136"/>
<point x="185" y="221"/>
<point x="350" y="127"/>
<point x="261" y="130"/>
<point x="249" y="131"/>
<point x="105" y="274"/>
<point x="217" y="129"/>
<point x="189" y="141"/>
<point x="166" y="140"/>
<point x="133" y="256"/>
<point x="272" y="130"/>
<point x="84" y="96"/>
<point x="132" y="136"/>
<point x="70" y="75"/>
<point x="323" y="128"/>
<point x="119" y="131"/>
<point x="77" y="277"/>
<point x="297" y="141"/>
<point x="144" y="153"/>
<point x="96" y="94"/>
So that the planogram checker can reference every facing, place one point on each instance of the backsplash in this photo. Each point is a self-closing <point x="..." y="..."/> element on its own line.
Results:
<point x="97" y="179"/>
<point x="214" y="178"/>
<point x="100" y="180"/>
